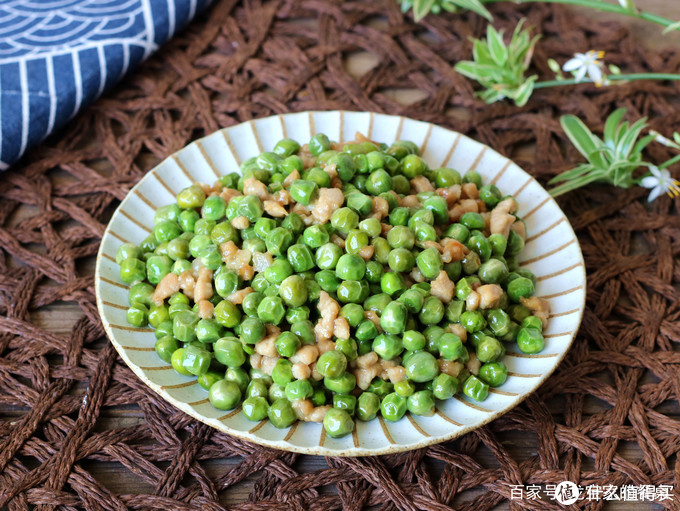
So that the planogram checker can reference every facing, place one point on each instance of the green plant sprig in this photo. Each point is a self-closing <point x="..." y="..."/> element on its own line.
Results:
<point x="501" y="68"/>
<point x="612" y="159"/>
<point x="422" y="8"/>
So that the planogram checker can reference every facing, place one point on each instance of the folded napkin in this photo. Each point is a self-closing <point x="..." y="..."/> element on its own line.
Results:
<point x="57" y="56"/>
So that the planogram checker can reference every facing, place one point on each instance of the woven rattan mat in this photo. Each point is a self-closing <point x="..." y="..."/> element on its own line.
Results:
<point x="609" y="415"/>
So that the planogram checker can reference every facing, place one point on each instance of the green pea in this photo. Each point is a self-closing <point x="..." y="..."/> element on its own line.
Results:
<point x="421" y="366"/>
<point x="304" y="191"/>
<point x="287" y="343"/>
<point x="451" y="347"/>
<point x="278" y="271"/>
<point x="293" y="223"/>
<point x="276" y="392"/>
<point x="226" y="283"/>
<point x="224" y="395"/>
<point x="378" y="181"/>
<point x="305" y="331"/>
<point x="210" y="257"/>
<point x="141" y="292"/>
<point x="380" y="387"/>
<point x="207" y="330"/>
<point x="492" y="271"/>
<point x="343" y="384"/>
<point x="532" y="322"/>
<point x="424" y="231"/>
<point x="338" y="423"/>
<point x="347" y="403"/>
<point x="381" y="249"/>
<point x="429" y="262"/>
<point x="165" y="347"/>
<point x="374" y="272"/>
<point x="257" y="388"/>
<point x="494" y="373"/>
<point x="299" y="389"/>
<point x="229" y="351"/>
<point x="331" y="364"/>
<point x="286" y="146"/>
<point x="148" y="244"/>
<point x="132" y="270"/>
<point x="393" y="319"/>
<point x="521" y="287"/>
<point x="350" y="267"/>
<point x="184" y="326"/>
<point x="413" y="340"/>
<point x="208" y="379"/>
<point x="432" y="311"/>
<point x="366" y="331"/>
<point x="498" y="244"/>
<point x="393" y="407"/>
<point x="187" y="220"/>
<point x="401" y="260"/>
<point x="214" y="208"/>
<point x="255" y="408"/>
<point x="421" y="403"/>
<point x="127" y="251"/>
<point x="278" y="241"/>
<point x="475" y="388"/>
<point x="294" y="314"/>
<point x="251" y="303"/>
<point x="392" y="283"/>
<point x="458" y="232"/>
<point x="530" y="340"/>
<point x="227" y="314"/>
<point x="327" y="256"/>
<point x="499" y="322"/>
<point x="191" y="197"/>
<point x="318" y="144"/>
<point x="413" y="299"/>
<point x="204" y="227"/>
<point x="387" y="346"/>
<point x="300" y="257"/>
<point x="367" y="406"/>
<point x="480" y="245"/>
<point x="463" y="288"/>
<point x="196" y="360"/>
<point x="444" y="386"/>
<point x="327" y="280"/>
<point x="177" y="359"/>
<point x="401" y="237"/>
<point x="315" y="236"/>
<point x="371" y="226"/>
<point x="271" y="310"/>
<point x="405" y="388"/>
<point x="282" y="374"/>
<point x="377" y="302"/>
<point x="489" y="349"/>
<point x="472" y="176"/>
<point x="445" y="178"/>
<point x="515" y="244"/>
<point x="198" y="243"/>
<point x="439" y="208"/>
<point x="353" y="313"/>
<point x="355" y="241"/>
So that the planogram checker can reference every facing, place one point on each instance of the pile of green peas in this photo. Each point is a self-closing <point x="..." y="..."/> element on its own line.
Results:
<point x="412" y="329"/>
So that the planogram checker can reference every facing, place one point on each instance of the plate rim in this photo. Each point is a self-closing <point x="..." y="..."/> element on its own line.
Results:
<point x="322" y="450"/>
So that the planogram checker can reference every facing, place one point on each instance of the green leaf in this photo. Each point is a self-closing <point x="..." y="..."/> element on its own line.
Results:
<point x="611" y="125"/>
<point x="524" y="91"/>
<point x="572" y="174"/>
<point x="497" y="48"/>
<point x="625" y="145"/>
<point x="474" y="6"/>
<point x="573" y="185"/>
<point x="480" y="52"/>
<point x="475" y="71"/>
<point x="671" y="27"/>
<point x="582" y="138"/>
<point x="422" y="8"/>
<point x="641" y="144"/>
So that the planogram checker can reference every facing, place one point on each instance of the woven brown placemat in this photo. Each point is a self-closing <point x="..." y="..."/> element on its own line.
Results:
<point x="615" y="394"/>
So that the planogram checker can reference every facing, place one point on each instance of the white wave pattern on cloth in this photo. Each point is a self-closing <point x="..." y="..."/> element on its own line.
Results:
<point x="57" y="56"/>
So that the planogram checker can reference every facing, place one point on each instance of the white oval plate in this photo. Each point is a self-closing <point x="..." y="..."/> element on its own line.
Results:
<point x="552" y="252"/>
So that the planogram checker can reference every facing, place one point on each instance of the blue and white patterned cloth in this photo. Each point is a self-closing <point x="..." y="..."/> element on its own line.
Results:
<point x="57" y="56"/>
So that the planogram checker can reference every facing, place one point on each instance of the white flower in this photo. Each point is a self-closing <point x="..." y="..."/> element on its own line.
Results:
<point x="589" y="63"/>
<point x="660" y="181"/>
<point x="659" y="138"/>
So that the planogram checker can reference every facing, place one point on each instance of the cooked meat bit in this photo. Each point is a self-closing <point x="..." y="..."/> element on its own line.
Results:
<point x="267" y="364"/>
<point x="273" y="208"/>
<point x="203" y="289"/>
<point x="450" y="367"/>
<point x="539" y="307"/>
<point x="489" y="294"/>
<point x="205" y="187"/>
<point x="469" y="205"/>
<point x="500" y="222"/>
<point x="167" y="287"/>
<point x="301" y="371"/>
<point x="229" y="193"/>
<point x="520" y="229"/>
<point x="473" y="364"/>
<point x="329" y="200"/>
<point x="187" y="283"/>
<point x="410" y="201"/>
<point x="290" y="178"/>
<point x="472" y="301"/>
<point x="205" y="309"/>
<point x="341" y="328"/>
<point x="262" y="261"/>
<point x="455" y="212"/>
<point x="331" y="170"/>
<point x="450" y="194"/>
<point x="307" y="354"/>
<point x="237" y="297"/>
<point x="338" y="241"/>
<point x="365" y="375"/>
<point x="381" y="208"/>
<point x="240" y="222"/>
<point x="396" y="374"/>
<point x="469" y="191"/>
<point x="417" y="275"/>
<point x="367" y="252"/>
<point x="385" y="228"/>
<point x="421" y="184"/>
<point x="267" y="347"/>
<point x="508" y="205"/>
<point x="442" y="287"/>
<point x="252" y="186"/>
<point x="458" y="329"/>
<point x="373" y="316"/>
<point x="306" y="411"/>
<point x="325" y="345"/>
<point x="328" y="311"/>
<point x="452" y="250"/>
<point x="237" y="260"/>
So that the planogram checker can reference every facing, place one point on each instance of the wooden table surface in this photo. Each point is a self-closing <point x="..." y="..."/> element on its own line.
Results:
<point x="59" y="318"/>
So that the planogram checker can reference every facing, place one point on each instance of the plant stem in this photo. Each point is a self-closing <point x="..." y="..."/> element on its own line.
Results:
<point x="611" y="78"/>
<point x="670" y="162"/>
<point x="600" y="6"/>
